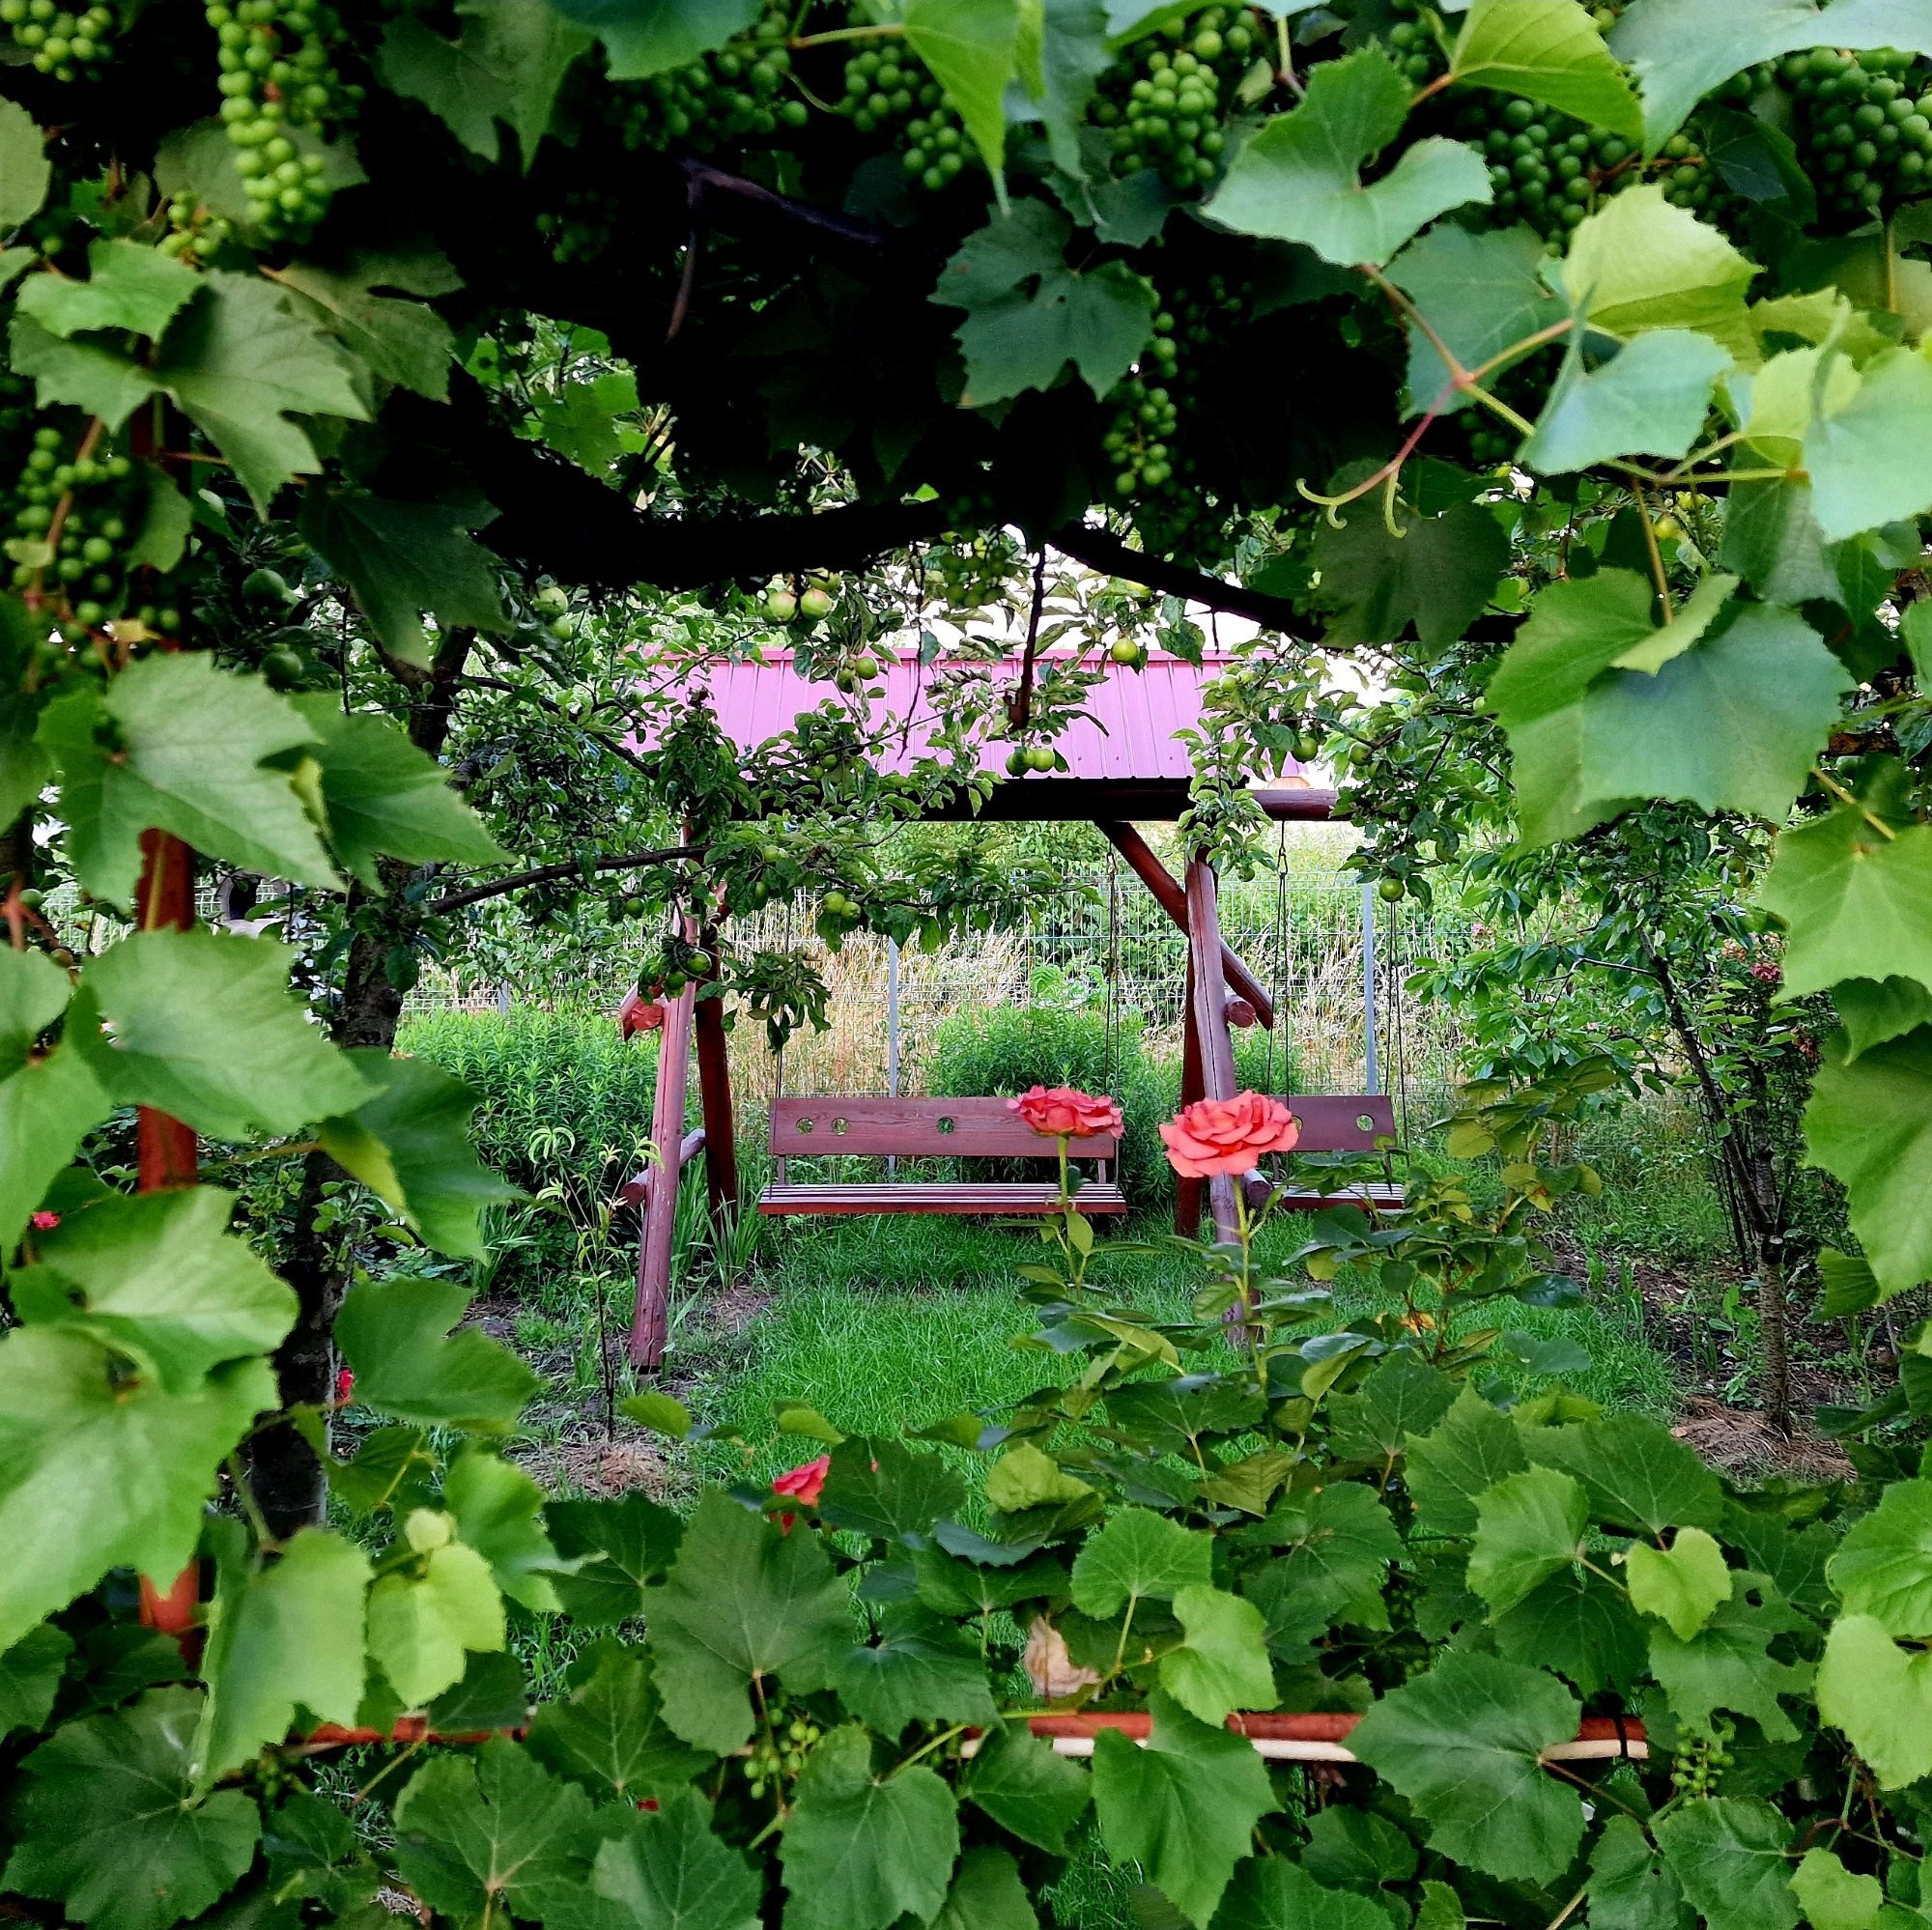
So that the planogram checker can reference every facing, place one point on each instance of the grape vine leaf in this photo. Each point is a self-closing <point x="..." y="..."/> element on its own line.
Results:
<point x="1869" y="1126"/>
<point x="1340" y="1542"/>
<point x="610" y="1736"/>
<point x="106" y="1821"/>
<point x="646" y="37"/>
<point x="506" y="64"/>
<point x="47" y="1100"/>
<point x="742" y="1600"/>
<point x="1028" y="314"/>
<point x="387" y="799"/>
<point x="1849" y="1283"/>
<point x="1529" y="1527"/>
<point x="405" y="342"/>
<point x="972" y="48"/>
<point x="1639" y="262"/>
<point x="129" y="286"/>
<point x="1074" y="54"/>
<point x="1185" y="1806"/>
<point x="1273" y="1893"/>
<point x="1650" y="399"/>
<point x="187" y="750"/>
<point x="1681" y="1585"/>
<point x="490" y="1833"/>
<point x="921" y="1669"/>
<point x="242" y="365"/>
<point x="85" y="375"/>
<point x="668" y="1868"/>
<point x="1223" y="1663"/>
<point x="31" y="1672"/>
<point x="1399" y="1401"/>
<point x="1630" y="1887"/>
<point x="282" y="1635"/>
<point x="953" y="1587"/>
<point x="1869" y="455"/>
<point x="400" y="559"/>
<point x="1547" y="50"/>
<point x="1136" y="1556"/>
<point x="1681" y="50"/>
<point x="391" y="1334"/>
<point x="1017" y="1779"/>
<point x="1439" y="574"/>
<point x="885" y="1488"/>
<point x="987" y="1894"/>
<point x="1299" y="178"/>
<point x="122" y="1466"/>
<point x="158" y="1279"/>
<point x="1481" y="294"/>
<point x="1640" y="1478"/>
<point x="1463" y="1744"/>
<point x="1467" y="1452"/>
<point x="431" y="1611"/>
<point x="1023" y="1477"/>
<point x="24" y="169"/>
<point x="1729" y="1855"/>
<point x="1579" y="1625"/>
<point x="1856" y="903"/>
<point x="499" y="1512"/>
<point x="203" y="1026"/>
<point x="1833" y="1898"/>
<point x="1773" y="540"/>
<point x="1881" y="1696"/>
<point x="611" y="1549"/>
<point x="1884" y="1565"/>
<point x="1729" y="1664"/>
<point x="861" y="1850"/>
<point x="408" y="1143"/>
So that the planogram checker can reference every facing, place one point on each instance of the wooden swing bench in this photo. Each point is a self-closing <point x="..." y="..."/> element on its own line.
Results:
<point x="820" y="1129"/>
<point x="1338" y="1122"/>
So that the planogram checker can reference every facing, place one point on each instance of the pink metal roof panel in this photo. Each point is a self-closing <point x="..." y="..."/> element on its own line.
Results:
<point x="1128" y="733"/>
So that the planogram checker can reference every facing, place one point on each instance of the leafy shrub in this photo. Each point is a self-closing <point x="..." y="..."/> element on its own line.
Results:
<point x="1003" y="1050"/>
<point x="556" y="1087"/>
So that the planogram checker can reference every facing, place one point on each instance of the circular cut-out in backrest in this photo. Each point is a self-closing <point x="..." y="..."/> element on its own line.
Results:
<point x="1366" y="1121"/>
<point x="840" y="1126"/>
<point x="947" y="1122"/>
<point x="804" y="1123"/>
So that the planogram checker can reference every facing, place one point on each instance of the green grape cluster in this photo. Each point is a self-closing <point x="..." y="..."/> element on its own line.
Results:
<point x="779" y="1755"/>
<point x="1698" y="1765"/>
<point x="195" y="233"/>
<point x="58" y="41"/>
<point x="1152" y="404"/>
<point x="1165" y="106"/>
<point x="725" y="96"/>
<point x="1137" y="439"/>
<point x="1547" y="169"/>
<point x="276" y="76"/>
<point x="1417" y="51"/>
<point x="1863" y="126"/>
<point x="890" y="89"/>
<point x="99" y="494"/>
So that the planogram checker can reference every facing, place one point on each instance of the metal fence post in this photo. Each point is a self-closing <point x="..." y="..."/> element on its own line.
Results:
<point x="891" y="1033"/>
<point x="1369" y="987"/>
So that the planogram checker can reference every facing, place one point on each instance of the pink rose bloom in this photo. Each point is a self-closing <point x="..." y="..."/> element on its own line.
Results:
<point x="45" y="1222"/>
<point x="345" y="1382"/>
<point x="1216" y="1136"/>
<point x="1063" y="1111"/>
<point x="804" y="1485"/>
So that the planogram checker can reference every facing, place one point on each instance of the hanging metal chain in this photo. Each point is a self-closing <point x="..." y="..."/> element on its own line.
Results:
<point x="1111" y="1022"/>
<point x="1279" y="937"/>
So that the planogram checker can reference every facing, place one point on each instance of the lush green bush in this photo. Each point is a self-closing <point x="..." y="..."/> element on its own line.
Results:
<point x="556" y="1088"/>
<point x="1002" y="1050"/>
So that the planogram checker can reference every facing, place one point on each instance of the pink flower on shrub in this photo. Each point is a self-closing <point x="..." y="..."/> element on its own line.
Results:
<point x="1216" y="1136"/>
<point x="1767" y="971"/>
<point x="803" y="1484"/>
<point x="1064" y="1112"/>
<point x="345" y="1384"/>
<point x="45" y="1222"/>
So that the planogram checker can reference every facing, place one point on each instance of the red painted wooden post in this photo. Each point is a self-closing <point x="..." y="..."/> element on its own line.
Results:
<point x="650" y="1322"/>
<point x="714" y="1093"/>
<point x="1187" y="1192"/>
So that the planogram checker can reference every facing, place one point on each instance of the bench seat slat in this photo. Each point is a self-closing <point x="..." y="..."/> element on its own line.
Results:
<point x="936" y="1197"/>
<point x="975" y="1128"/>
<point x="1376" y="1196"/>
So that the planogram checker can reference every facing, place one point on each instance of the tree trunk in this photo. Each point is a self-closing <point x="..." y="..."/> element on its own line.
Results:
<point x="287" y="1475"/>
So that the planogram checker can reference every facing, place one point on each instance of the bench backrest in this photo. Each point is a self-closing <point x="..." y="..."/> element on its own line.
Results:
<point x="1342" y="1121"/>
<point x="917" y="1128"/>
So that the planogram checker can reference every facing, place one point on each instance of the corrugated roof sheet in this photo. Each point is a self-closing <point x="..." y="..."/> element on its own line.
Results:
<point x="1128" y="733"/>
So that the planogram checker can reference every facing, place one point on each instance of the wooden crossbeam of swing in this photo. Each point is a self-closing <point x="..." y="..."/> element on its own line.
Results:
<point x="1172" y="897"/>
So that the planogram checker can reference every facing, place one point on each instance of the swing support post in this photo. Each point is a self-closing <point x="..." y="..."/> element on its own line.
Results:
<point x="1211" y="1043"/>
